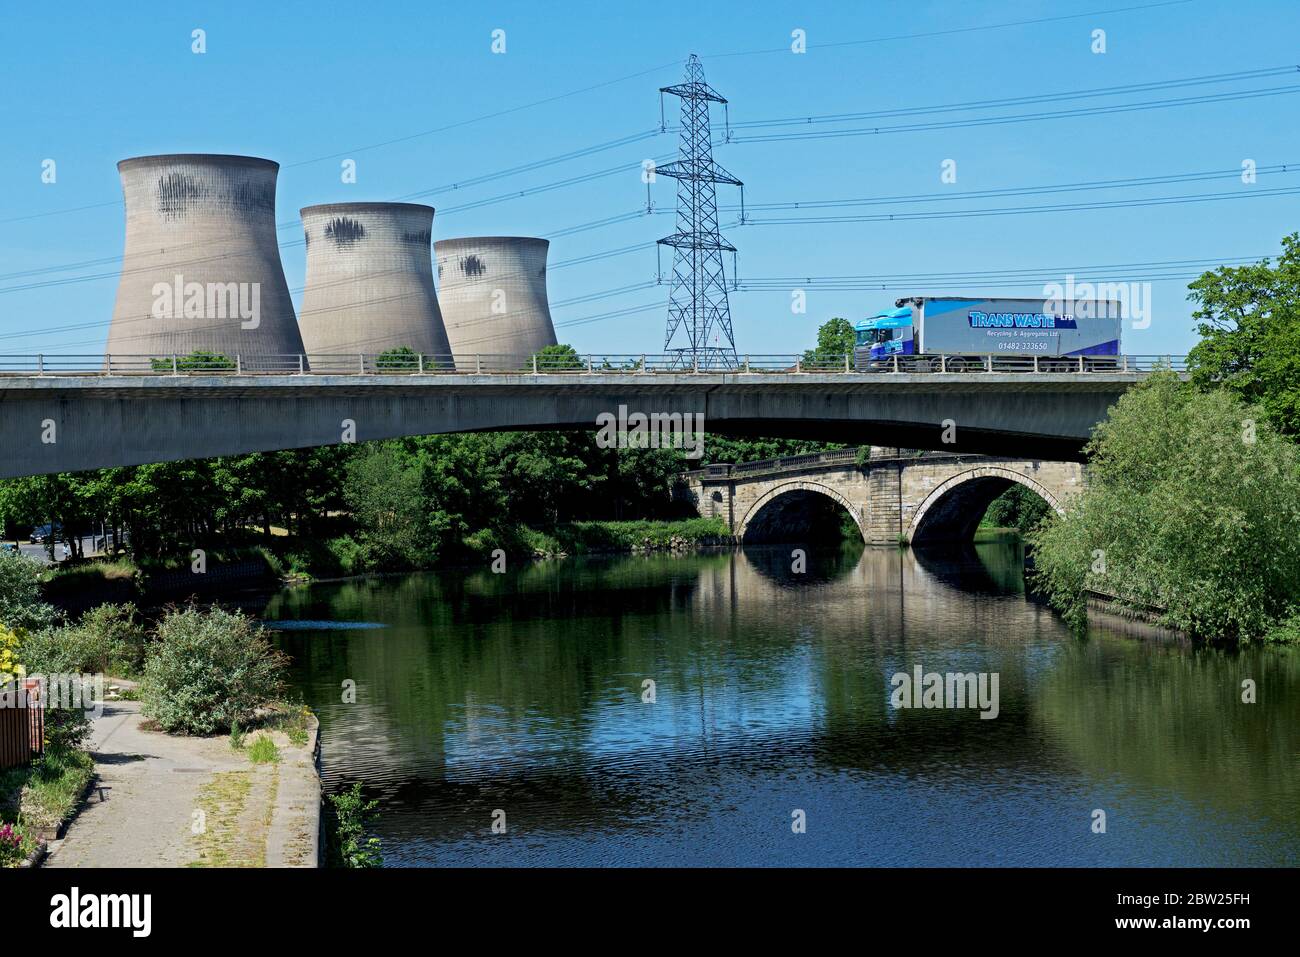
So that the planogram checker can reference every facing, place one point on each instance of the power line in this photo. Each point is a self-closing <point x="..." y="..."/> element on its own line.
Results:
<point x="1003" y="102"/>
<point x="1020" y="118"/>
<point x="1021" y="210"/>
<point x="486" y="116"/>
<point x="1004" y="191"/>
<point x="953" y="31"/>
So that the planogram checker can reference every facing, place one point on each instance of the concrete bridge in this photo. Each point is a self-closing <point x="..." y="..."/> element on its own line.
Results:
<point x="81" y="414"/>
<point x="892" y="495"/>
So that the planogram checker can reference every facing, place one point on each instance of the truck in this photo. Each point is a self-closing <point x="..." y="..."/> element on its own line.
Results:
<point x="958" y="333"/>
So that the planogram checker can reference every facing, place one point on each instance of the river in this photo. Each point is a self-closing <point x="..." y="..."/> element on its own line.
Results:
<point x="520" y="700"/>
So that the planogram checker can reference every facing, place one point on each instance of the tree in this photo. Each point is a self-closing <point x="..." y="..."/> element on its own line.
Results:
<point x="559" y="358"/>
<point x="1192" y="503"/>
<point x="1017" y="508"/>
<point x="384" y="492"/>
<point x="1250" y="333"/>
<point x="835" y="340"/>
<point x="400" y="359"/>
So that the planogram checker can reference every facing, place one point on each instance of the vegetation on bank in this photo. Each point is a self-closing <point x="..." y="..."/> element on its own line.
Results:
<point x="1192" y="506"/>
<point x="208" y="671"/>
<point x="349" y="818"/>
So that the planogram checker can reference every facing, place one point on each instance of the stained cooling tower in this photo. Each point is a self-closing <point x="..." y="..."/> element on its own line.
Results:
<point x="201" y="268"/>
<point x="370" y="281"/>
<point x="493" y="295"/>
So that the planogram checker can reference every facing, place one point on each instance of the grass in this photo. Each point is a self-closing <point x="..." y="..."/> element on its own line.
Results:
<point x="291" y="720"/>
<point x="222" y="802"/>
<point x="263" y="750"/>
<point x="46" y="792"/>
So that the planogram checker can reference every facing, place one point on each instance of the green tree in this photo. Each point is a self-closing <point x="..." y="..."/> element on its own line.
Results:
<point x="21" y="607"/>
<point x="835" y="340"/>
<point x="1249" y="322"/>
<point x="392" y="516"/>
<point x="558" y="358"/>
<point x="400" y="359"/>
<point x="1018" y="508"/>
<point x="1191" y="506"/>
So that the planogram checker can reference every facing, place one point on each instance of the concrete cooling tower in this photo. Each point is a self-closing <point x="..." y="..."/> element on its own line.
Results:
<point x="370" y="282"/>
<point x="201" y="267"/>
<point x="493" y="295"/>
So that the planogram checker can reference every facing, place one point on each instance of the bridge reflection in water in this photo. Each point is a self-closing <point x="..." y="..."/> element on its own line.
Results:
<point x="525" y="692"/>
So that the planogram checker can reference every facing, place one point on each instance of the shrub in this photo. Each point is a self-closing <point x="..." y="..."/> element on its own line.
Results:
<point x="21" y="607"/>
<point x="1286" y="631"/>
<point x="8" y="654"/>
<point x="349" y="816"/>
<point x="208" y="670"/>
<point x="55" y="651"/>
<point x="1191" y="506"/>
<point x="107" y="636"/>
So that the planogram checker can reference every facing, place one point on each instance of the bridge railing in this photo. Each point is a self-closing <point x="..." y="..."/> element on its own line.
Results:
<point x="406" y="362"/>
<point x="834" y="457"/>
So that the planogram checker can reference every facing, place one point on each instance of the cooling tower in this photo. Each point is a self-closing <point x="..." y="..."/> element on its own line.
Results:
<point x="493" y="295"/>
<point x="201" y="267"/>
<point x="370" y="281"/>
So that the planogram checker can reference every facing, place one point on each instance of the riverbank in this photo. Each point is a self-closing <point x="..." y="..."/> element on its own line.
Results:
<point x="77" y="588"/>
<point x="160" y="800"/>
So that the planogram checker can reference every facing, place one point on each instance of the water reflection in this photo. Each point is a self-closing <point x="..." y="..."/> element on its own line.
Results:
<point x="524" y="692"/>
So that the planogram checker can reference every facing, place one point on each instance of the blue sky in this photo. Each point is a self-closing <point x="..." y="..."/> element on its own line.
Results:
<point x="308" y="84"/>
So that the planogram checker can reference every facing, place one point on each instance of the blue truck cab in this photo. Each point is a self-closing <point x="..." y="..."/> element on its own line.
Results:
<point x="885" y="334"/>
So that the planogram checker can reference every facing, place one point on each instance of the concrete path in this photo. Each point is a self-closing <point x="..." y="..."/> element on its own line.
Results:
<point x="169" y="801"/>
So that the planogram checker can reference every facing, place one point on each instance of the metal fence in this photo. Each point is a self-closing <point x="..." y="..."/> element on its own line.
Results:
<point x="408" y="364"/>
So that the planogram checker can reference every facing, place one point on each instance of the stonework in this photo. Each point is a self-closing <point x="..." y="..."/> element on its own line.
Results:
<point x="892" y="497"/>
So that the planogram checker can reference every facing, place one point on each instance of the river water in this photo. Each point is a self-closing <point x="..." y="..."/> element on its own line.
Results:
<point x="521" y="699"/>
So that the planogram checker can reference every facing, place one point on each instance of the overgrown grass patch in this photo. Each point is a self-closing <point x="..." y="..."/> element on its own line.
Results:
<point x="45" y="793"/>
<point x="263" y="750"/>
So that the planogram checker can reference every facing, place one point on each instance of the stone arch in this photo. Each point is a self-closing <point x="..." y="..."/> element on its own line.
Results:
<point x="950" y="508"/>
<point x="789" y="488"/>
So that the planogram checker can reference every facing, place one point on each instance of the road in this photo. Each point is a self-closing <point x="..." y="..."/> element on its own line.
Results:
<point x="39" y="553"/>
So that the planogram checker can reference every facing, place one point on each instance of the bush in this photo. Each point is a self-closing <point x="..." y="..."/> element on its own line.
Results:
<point x="349" y="816"/>
<point x="1191" y="506"/>
<point x="20" y="594"/>
<point x="55" y="651"/>
<point x="208" y="670"/>
<point x="108" y="638"/>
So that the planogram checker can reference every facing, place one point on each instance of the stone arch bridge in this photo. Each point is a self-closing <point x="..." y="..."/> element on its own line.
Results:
<point x="893" y="495"/>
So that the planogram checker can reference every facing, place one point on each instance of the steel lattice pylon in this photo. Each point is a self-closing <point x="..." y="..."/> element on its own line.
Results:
<point x="697" y="305"/>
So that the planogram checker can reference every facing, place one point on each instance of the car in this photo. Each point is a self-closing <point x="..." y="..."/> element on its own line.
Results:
<point x="8" y="548"/>
<point x="41" y="533"/>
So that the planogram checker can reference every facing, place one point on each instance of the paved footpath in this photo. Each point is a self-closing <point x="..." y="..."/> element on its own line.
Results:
<point x="170" y="801"/>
